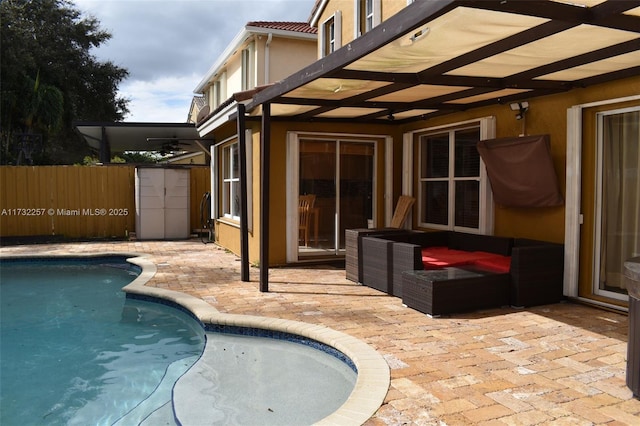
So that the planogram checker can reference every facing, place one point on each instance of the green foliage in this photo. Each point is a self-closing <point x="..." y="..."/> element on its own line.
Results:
<point x="140" y="157"/>
<point x="125" y="157"/>
<point x="49" y="79"/>
<point x="88" y="161"/>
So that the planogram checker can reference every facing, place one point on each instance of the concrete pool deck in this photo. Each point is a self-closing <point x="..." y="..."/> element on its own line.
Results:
<point x="550" y="365"/>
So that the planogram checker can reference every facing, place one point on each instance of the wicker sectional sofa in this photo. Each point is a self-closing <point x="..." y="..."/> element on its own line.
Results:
<point x="353" y="244"/>
<point x="535" y="268"/>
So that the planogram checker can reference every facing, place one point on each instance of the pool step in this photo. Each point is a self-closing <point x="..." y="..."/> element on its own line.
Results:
<point x="157" y="408"/>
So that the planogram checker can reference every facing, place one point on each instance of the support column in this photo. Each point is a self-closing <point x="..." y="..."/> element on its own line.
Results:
<point x="105" y="147"/>
<point x="244" y="220"/>
<point x="265" y="160"/>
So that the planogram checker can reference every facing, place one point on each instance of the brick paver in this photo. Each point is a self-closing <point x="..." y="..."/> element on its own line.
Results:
<point x="561" y="364"/>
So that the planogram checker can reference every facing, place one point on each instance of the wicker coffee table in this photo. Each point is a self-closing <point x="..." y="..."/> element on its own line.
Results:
<point x="448" y="290"/>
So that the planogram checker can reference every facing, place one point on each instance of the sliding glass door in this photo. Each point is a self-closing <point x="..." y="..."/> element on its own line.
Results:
<point x="335" y="192"/>
<point x="618" y="199"/>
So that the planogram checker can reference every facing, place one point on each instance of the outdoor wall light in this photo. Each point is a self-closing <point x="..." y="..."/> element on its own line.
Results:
<point x="521" y="107"/>
<point x="421" y="33"/>
<point x="416" y="36"/>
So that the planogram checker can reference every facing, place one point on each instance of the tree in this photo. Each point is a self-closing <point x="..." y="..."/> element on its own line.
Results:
<point x="49" y="79"/>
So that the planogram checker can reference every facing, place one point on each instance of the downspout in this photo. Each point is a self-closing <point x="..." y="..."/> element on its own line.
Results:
<point x="317" y="13"/>
<point x="267" y="59"/>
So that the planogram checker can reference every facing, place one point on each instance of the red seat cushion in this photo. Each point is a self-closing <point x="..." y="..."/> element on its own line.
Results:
<point x="494" y="262"/>
<point x="442" y="257"/>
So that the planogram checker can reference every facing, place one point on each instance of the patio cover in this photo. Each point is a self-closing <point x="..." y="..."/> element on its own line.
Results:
<point x="441" y="56"/>
<point x="108" y="137"/>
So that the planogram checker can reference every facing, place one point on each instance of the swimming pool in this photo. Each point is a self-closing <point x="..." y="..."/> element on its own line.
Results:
<point x="289" y="379"/>
<point x="75" y="350"/>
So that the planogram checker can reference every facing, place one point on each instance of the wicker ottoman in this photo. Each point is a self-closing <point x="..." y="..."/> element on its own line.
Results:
<point x="444" y="291"/>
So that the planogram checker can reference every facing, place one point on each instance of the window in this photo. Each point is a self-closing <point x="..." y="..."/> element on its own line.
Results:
<point x="367" y="14"/>
<point x="230" y="181"/>
<point x="216" y="93"/>
<point x="451" y="177"/>
<point x="331" y="37"/>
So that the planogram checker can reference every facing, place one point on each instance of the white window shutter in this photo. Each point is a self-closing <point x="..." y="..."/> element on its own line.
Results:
<point x="338" y="29"/>
<point x="357" y="22"/>
<point x="323" y="40"/>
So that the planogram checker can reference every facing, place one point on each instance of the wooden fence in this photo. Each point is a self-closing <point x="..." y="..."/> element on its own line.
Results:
<point x="78" y="201"/>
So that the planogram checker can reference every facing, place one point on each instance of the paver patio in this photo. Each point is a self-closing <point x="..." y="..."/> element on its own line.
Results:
<point x="561" y="364"/>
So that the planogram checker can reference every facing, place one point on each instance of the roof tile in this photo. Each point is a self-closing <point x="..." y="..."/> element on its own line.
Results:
<point x="300" y="27"/>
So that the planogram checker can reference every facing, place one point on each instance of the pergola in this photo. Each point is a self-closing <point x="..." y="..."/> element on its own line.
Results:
<point x="442" y="56"/>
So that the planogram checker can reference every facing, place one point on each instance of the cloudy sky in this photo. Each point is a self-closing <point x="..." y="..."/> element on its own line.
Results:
<point x="168" y="45"/>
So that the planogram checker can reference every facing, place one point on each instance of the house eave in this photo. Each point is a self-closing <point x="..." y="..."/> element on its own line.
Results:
<point x="214" y="121"/>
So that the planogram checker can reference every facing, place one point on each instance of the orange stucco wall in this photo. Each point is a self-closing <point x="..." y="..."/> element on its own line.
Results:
<point x="546" y="115"/>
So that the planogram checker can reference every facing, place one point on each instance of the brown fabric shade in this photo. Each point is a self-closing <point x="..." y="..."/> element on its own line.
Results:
<point x="521" y="171"/>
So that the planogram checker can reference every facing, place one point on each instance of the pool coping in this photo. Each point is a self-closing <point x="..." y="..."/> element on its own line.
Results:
<point x="373" y="380"/>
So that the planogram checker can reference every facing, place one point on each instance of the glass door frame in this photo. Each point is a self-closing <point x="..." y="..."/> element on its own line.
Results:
<point x="574" y="217"/>
<point x="293" y="182"/>
<point x="597" y="254"/>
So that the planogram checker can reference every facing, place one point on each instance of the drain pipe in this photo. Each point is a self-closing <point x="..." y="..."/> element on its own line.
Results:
<point x="267" y="57"/>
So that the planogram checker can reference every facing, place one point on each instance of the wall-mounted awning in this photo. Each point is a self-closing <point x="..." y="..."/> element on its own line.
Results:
<point x="111" y="137"/>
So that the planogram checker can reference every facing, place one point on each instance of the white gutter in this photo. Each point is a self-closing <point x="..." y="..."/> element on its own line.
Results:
<point x="316" y="17"/>
<point x="222" y="59"/>
<point x="267" y="59"/>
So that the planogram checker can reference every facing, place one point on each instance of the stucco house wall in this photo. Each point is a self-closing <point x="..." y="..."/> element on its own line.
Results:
<point x="545" y="115"/>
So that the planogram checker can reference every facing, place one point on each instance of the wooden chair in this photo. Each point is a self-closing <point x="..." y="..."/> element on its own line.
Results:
<point x="305" y="205"/>
<point x="402" y="211"/>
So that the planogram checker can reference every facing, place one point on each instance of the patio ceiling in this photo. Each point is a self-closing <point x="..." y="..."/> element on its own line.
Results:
<point x="441" y="56"/>
<point x="123" y="136"/>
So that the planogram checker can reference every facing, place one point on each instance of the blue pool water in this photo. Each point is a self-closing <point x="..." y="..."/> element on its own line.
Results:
<point x="75" y="350"/>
